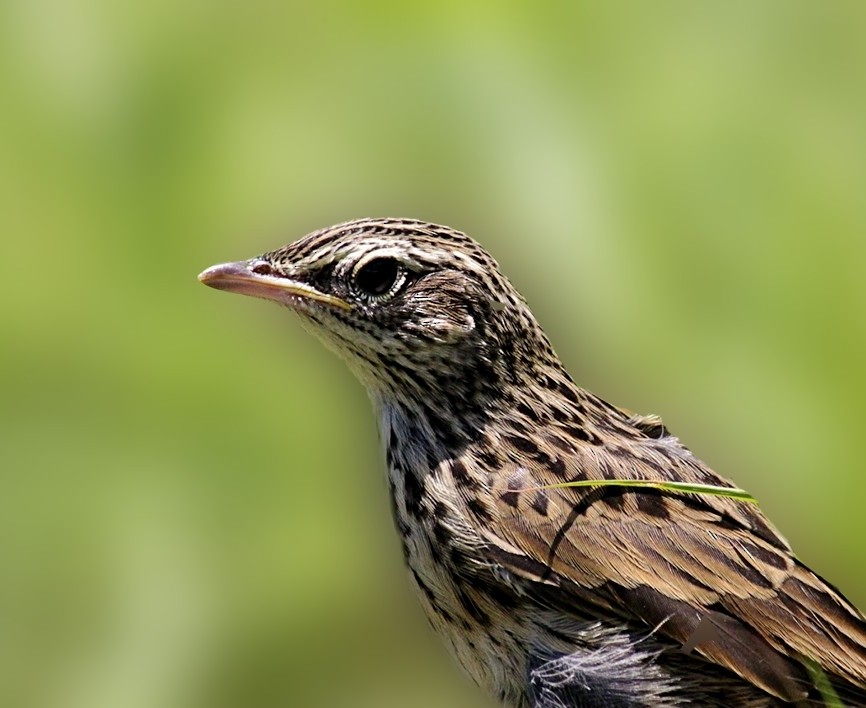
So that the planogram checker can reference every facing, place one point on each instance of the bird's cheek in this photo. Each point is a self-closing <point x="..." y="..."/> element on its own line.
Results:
<point x="448" y="328"/>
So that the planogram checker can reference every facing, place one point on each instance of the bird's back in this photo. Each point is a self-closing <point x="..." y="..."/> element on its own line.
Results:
<point x="637" y="595"/>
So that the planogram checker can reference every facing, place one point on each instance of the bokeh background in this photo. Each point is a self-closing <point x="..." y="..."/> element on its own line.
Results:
<point x="192" y="507"/>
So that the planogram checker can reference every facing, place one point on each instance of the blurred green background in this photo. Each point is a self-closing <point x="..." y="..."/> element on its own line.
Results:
<point x="192" y="510"/>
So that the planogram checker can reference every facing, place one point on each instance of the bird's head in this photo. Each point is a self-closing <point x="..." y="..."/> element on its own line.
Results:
<point x="412" y="307"/>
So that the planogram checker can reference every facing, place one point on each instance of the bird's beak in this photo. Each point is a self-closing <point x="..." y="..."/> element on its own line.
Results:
<point x="254" y="279"/>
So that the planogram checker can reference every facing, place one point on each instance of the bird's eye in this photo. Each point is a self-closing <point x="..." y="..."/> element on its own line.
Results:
<point x="379" y="277"/>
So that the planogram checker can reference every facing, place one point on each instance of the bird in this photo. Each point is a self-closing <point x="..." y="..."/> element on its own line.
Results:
<point x="550" y="588"/>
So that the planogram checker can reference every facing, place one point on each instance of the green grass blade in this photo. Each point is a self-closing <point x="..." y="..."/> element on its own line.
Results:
<point x="709" y="489"/>
<point x="822" y="683"/>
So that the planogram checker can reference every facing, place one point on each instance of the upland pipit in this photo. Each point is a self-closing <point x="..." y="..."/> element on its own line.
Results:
<point x="552" y="596"/>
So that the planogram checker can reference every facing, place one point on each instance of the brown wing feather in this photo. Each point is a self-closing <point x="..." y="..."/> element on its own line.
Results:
<point x="673" y="559"/>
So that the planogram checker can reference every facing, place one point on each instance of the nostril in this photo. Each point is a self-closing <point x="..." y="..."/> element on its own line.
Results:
<point x="263" y="269"/>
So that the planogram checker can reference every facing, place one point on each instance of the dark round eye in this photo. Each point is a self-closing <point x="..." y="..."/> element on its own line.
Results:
<point x="378" y="276"/>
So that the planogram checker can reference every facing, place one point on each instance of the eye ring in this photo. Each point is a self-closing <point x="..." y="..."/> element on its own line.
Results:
<point x="379" y="278"/>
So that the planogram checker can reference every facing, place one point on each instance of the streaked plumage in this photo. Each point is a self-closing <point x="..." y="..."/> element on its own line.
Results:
<point x="551" y="597"/>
